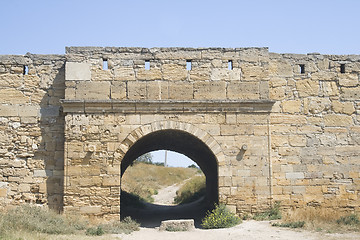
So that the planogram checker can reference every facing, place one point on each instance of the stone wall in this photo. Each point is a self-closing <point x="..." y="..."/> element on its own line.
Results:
<point x="298" y="115"/>
<point x="315" y="130"/>
<point x="32" y="130"/>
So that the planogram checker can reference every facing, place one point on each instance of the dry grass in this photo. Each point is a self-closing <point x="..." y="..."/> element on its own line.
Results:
<point x="145" y="180"/>
<point x="34" y="222"/>
<point x="320" y="219"/>
<point x="191" y="191"/>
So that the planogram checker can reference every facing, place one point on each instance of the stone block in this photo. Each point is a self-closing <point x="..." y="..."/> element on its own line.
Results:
<point x="210" y="90"/>
<point x="200" y="74"/>
<point x="136" y="90"/>
<point x="13" y="96"/>
<point x="93" y="90"/>
<point x="291" y="106"/>
<point x="42" y="173"/>
<point x="348" y="80"/>
<point x="77" y="71"/>
<point x="3" y="192"/>
<point x="307" y="87"/>
<point x="181" y="90"/>
<point x="118" y="90"/>
<point x="151" y="74"/>
<point x="153" y="90"/>
<point x="337" y="120"/>
<point x="174" y="72"/>
<point x="243" y="90"/>
<point x="124" y="74"/>
<point x="350" y="93"/>
<point x="295" y="175"/>
<point x="109" y="181"/>
<point x="177" y="225"/>
<point x="90" y="209"/>
<point x="9" y="110"/>
<point x="50" y="111"/>
<point x="343" y="107"/>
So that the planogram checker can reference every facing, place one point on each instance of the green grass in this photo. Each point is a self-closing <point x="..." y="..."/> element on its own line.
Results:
<point x="220" y="217"/>
<point x="191" y="191"/>
<point x="351" y="219"/>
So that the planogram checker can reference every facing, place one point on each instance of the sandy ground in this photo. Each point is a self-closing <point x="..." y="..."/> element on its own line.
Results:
<point x="151" y="216"/>
<point x="249" y="230"/>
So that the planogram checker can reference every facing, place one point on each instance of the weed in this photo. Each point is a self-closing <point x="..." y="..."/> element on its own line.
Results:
<point x="299" y="224"/>
<point x="192" y="190"/>
<point x="220" y="217"/>
<point x="126" y="226"/>
<point x="351" y="219"/>
<point x="272" y="214"/>
<point x="95" y="231"/>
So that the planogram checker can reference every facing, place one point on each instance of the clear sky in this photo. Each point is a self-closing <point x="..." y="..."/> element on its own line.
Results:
<point x="285" y="26"/>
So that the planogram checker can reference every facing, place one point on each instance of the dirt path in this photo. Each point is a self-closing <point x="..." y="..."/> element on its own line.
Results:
<point x="250" y="230"/>
<point x="166" y="195"/>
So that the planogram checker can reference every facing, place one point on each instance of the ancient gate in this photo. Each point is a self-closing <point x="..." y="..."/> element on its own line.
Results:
<point x="123" y="102"/>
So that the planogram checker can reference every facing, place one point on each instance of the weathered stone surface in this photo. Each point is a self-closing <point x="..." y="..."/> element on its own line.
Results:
<point x="307" y="87"/>
<point x="177" y="225"/>
<point x="77" y="71"/>
<point x="291" y="106"/>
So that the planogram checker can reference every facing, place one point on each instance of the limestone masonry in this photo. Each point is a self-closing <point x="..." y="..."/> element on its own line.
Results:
<point x="263" y="126"/>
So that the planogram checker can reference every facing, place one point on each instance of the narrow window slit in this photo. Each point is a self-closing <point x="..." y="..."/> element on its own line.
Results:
<point x="302" y="68"/>
<point x="342" y="68"/>
<point x="105" y="64"/>
<point x="230" y="65"/>
<point x="26" y="70"/>
<point x="147" y="65"/>
<point x="188" y="65"/>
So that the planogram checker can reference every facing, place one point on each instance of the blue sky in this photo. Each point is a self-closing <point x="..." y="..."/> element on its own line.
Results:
<point x="285" y="26"/>
<point x="47" y="26"/>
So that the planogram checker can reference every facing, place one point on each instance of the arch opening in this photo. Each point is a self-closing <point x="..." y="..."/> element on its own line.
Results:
<point x="190" y="146"/>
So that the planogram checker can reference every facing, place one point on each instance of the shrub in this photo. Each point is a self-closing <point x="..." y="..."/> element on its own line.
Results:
<point x="351" y="219"/>
<point x="299" y="224"/>
<point x="191" y="191"/>
<point x="220" y="217"/>
<point x="95" y="231"/>
<point x="271" y="214"/>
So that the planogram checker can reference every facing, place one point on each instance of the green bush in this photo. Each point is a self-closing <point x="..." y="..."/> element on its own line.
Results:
<point x="271" y="214"/>
<point x="220" y="217"/>
<point x="351" y="219"/>
<point x="191" y="191"/>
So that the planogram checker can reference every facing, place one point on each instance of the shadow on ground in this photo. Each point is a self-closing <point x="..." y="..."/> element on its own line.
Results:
<point x="151" y="215"/>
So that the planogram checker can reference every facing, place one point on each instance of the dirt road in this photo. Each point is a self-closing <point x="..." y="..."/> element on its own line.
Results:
<point x="249" y="230"/>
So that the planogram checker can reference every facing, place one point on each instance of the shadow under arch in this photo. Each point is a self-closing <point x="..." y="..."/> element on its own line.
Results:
<point x="191" y="146"/>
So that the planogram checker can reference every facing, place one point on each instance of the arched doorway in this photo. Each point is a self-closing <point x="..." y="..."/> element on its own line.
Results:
<point x="189" y="145"/>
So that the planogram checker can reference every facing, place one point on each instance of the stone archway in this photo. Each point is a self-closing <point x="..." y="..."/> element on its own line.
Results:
<point x="180" y="137"/>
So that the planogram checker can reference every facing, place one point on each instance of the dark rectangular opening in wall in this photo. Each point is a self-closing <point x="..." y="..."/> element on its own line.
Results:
<point x="26" y="70"/>
<point x="230" y="65"/>
<point x="105" y="64"/>
<point x="147" y="64"/>
<point x="188" y="65"/>
<point x="302" y="68"/>
<point x="342" y="68"/>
